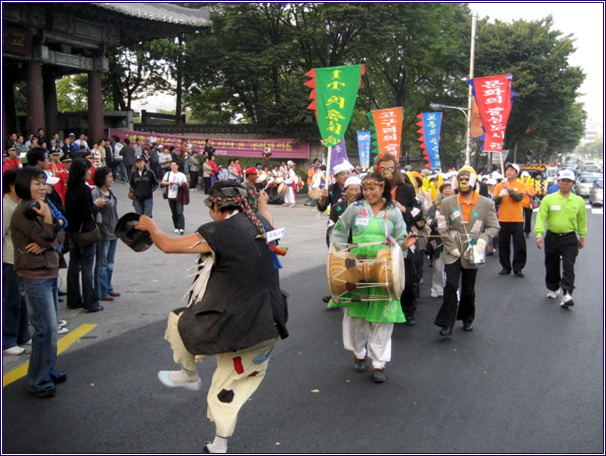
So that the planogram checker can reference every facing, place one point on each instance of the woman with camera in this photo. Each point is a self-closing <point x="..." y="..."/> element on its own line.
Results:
<point x="81" y="212"/>
<point x="37" y="236"/>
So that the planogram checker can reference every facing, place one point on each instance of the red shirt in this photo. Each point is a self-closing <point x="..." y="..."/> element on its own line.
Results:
<point x="58" y="170"/>
<point x="11" y="163"/>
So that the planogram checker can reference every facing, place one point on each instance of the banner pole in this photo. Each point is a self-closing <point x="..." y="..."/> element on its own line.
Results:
<point x="502" y="165"/>
<point x="328" y="167"/>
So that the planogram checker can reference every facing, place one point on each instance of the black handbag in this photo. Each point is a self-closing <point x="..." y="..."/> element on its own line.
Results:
<point x="90" y="237"/>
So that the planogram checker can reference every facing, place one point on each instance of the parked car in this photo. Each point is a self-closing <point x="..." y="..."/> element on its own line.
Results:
<point x="591" y="168"/>
<point x="584" y="184"/>
<point x="596" y="194"/>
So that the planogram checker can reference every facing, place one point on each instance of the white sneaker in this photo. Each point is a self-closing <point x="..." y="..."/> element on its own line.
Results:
<point x="181" y="232"/>
<point x="552" y="294"/>
<point x="567" y="301"/>
<point x="180" y="379"/>
<point x="62" y="330"/>
<point x="219" y="445"/>
<point x="61" y="323"/>
<point x="176" y="230"/>
<point x="16" y="350"/>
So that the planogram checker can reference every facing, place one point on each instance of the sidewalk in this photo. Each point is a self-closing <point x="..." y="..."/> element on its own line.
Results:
<point x="152" y="283"/>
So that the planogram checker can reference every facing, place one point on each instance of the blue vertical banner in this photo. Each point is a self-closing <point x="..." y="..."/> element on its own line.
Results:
<point x="431" y="124"/>
<point x="364" y="148"/>
<point x="338" y="155"/>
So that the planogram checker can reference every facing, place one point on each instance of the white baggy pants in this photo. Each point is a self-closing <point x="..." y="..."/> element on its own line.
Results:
<point x="237" y="377"/>
<point x="364" y="338"/>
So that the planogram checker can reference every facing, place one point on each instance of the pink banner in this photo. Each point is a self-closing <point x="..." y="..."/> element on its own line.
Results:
<point x="280" y="148"/>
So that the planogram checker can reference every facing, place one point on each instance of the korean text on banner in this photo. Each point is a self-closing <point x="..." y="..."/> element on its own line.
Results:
<point x="364" y="148"/>
<point x="387" y="124"/>
<point x="334" y="90"/>
<point x="281" y="148"/>
<point x="431" y="124"/>
<point x="493" y="96"/>
<point x="338" y="155"/>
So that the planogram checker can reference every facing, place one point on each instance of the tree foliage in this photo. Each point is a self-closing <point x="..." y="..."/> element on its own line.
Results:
<point x="545" y="116"/>
<point x="72" y="93"/>
<point x="250" y="67"/>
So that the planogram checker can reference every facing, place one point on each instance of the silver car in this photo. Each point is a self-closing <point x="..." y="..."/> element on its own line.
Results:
<point x="584" y="184"/>
<point x="596" y="194"/>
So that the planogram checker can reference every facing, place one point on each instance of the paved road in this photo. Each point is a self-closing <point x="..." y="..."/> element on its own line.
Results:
<point x="529" y="378"/>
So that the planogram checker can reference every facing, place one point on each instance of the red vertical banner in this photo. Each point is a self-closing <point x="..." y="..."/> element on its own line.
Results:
<point x="387" y="126"/>
<point x="493" y="96"/>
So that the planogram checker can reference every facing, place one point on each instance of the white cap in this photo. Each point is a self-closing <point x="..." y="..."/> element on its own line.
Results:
<point x="514" y="166"/>
<point x="52" y="180"/>
<point x="491" y="181"/>
<point x="566" y="174"/>
<point x="340" y="168"/>
<point x="353" y="180"/>
<point x="497" y="175"/>
<point x="525" y="174"/>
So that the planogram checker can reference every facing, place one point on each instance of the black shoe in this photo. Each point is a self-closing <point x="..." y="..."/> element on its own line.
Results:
<point x="467" y="326"/>
<point x="378" y="375"/>
<point x="446" y="331"/>
<point x="326" y="299"/>
<point x="360" y="364"/>
<point x="410" y="321"/>
<point x="46" y="392"/>
<point x="519" y="274"/>
<point x="98" y="309"/>
<point x="79" y="306"/>
<point x="504" y="272"/>
<point x="61" y="378"/>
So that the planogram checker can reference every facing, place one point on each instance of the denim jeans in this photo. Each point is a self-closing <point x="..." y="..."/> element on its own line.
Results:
<point x="81" y="260"/>
<point x="115" y="165"/>
<point x="15" y="321"/>
<point x="104" y="267"/>
<point x="144" y="207"/>
<point x="176" y="209"/>
<point x="40" y="296"/>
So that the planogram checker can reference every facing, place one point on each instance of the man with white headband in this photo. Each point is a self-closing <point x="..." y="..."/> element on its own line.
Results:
<point x="467" y="221"/>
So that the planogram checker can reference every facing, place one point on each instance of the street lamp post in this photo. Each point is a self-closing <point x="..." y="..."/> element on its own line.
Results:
<point x="465" y="111"/>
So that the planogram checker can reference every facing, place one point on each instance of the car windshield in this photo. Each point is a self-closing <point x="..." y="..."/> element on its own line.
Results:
<point x="599" y="183"/>
<point x="588" y="179"/>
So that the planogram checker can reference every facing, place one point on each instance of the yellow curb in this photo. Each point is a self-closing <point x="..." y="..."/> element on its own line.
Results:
<point x="62" y="344"/>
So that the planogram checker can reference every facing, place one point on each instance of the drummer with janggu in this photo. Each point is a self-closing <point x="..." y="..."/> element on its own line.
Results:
<point x="369" y="241"/>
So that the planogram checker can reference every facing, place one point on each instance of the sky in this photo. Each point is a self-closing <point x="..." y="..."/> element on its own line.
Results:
<point x="584" y="20"/>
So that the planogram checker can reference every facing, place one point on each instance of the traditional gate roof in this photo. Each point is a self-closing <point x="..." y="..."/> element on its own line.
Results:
<point x="147" y="21"/>
<point x="164" y="12"/>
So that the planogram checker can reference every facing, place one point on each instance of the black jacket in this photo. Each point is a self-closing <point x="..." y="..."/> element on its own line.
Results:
<point x="143" y="185"/>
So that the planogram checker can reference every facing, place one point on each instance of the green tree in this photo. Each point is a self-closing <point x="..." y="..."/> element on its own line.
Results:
<point x="134" y="74"/>
<point x="545" y="116"/>
<point x="72" y="93"/>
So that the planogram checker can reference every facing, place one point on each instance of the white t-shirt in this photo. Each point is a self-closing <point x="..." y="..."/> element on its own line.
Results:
<point x="175" y="179"/>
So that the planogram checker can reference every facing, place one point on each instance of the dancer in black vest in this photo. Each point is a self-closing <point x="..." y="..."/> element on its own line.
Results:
<point x="238" y="324"/>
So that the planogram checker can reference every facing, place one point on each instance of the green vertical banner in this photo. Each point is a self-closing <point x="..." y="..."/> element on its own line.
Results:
<point x="334" y="91"/>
